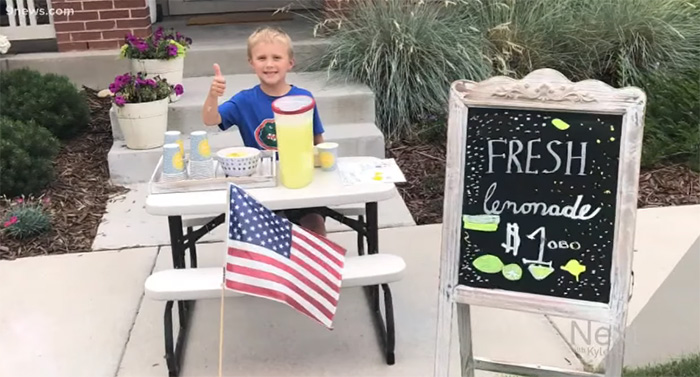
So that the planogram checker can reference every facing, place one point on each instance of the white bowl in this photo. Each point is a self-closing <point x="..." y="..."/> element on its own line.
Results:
<point x="244" y="163"/>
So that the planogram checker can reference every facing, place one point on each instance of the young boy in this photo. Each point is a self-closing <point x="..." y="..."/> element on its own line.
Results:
<point x="271" y="57"/>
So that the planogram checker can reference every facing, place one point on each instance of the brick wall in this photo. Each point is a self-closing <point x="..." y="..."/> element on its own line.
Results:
<point x="99" y="24"/>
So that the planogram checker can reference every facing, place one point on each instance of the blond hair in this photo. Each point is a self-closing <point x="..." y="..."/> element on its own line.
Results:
<point x="270" y="34"/>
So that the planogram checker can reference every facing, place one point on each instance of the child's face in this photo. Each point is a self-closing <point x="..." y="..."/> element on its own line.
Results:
<point x="271" y="62"/>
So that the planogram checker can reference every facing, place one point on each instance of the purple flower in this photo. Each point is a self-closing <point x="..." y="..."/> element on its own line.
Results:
<point x="141" y="82"/>
<point x="172" y="50"/>
<point x="151" y="82"/>
<point x="179" y="90"/>
<point x="119" y="100"/>
<point x="142" y="46"/>
<point x="122" y="80"/>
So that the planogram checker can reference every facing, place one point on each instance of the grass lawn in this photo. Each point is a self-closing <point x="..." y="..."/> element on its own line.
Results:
<point x="684" y="367"/>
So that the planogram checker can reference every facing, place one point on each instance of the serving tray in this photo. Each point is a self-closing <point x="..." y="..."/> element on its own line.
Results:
<point x="265" y="176"/>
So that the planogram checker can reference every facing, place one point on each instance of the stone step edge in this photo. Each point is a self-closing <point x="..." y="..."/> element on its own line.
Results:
<point x="216" y="136"/>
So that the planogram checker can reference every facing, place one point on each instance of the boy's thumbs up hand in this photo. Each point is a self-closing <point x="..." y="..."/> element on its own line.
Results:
<point x="218" y="85"/>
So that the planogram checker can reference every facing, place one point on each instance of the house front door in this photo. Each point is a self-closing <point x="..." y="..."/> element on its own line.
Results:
<point x="182" y="7"/>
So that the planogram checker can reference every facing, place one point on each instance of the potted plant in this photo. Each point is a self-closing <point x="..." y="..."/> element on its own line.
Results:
<point x="162" y="53"/>
<point x="141" y="107"/>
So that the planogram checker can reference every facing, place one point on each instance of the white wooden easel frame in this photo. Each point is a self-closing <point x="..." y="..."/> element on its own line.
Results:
<point x="543" y="89"/>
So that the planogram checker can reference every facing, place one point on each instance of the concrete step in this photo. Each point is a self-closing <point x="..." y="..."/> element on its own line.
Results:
<point x="128" y="166"/>
<point x="338" y="103"/>
<point x="96" y="69"/>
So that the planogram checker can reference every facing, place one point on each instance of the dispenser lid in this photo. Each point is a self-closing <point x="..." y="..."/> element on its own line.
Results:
<point x="292" y="105"/>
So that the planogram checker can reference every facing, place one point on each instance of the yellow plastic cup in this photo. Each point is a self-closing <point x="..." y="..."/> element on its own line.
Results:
<point x="294" y="117"/>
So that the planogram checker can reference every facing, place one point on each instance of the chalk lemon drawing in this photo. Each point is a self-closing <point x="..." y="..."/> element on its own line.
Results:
<point x="484" y="223"/>
<point x="489" y="264"/>
<point x="178" y="161"/>
<point x="574" y="268"/>
<point x="512" y="272"/>
<point x="560" y="124"/>
<point x="204" y="149"/>
<point x="539" y="272"/>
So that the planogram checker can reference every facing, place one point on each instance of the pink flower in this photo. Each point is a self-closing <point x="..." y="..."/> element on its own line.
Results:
<point x="119" y="100"/>
<point x="12" y="220"/>
<point x="20" y="200"/>
<point x="179" y="90"/>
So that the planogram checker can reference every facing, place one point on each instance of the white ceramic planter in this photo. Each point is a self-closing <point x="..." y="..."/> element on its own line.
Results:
<point x="171" y="70"/>
<point x="143" y="124"/>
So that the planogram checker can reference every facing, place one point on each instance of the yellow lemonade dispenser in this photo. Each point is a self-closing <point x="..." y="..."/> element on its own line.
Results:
<point x="294" y="117"/>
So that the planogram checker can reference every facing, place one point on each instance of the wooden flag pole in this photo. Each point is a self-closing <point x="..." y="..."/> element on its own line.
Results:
<point x="221" y="324"/>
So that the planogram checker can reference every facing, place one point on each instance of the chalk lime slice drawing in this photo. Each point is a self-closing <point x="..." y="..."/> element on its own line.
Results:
<point x="539" y="272"/>
<point x="512" y="272"/>
<point x="483" y="223"/>
<point x="560" y="124"/>
<point x="489" y="264"/>
<point x="574" y="268"/>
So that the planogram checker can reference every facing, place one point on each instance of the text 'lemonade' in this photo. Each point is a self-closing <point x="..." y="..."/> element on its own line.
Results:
<point x="295" y="140"/>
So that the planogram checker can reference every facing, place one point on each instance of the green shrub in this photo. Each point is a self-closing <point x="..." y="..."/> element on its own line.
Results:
<point x="672" y="126"/>
<point x="27" y="151"/>
<point x="50" y="100"/>
<point x="26" y="219"/>
<point x="615" y="41"/>
<point x="408" y="54"/>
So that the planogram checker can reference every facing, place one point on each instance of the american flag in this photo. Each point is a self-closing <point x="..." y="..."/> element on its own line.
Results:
<point x="270" y="257"/>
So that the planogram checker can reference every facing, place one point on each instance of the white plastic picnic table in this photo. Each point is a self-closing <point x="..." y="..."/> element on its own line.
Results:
<point x="185" y="285"/>
<point x="326" y="190"/>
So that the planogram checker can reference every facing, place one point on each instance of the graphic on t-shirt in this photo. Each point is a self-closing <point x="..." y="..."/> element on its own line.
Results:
<point x="266" y="134"/>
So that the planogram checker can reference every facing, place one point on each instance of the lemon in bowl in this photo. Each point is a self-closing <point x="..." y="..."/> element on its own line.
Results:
<point x="238" y="161"/>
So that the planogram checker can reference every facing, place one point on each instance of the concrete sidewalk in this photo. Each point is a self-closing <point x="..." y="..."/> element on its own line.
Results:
<point x="85" y="315"/>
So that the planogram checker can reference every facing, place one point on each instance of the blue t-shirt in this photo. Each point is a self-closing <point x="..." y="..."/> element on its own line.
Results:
<point x="251" y="111"/>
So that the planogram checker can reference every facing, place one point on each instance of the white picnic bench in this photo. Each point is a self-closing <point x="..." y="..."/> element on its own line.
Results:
<point x="199" y="212"/>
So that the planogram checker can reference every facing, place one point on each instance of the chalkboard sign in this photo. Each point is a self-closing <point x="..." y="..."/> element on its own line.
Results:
<point x="539" y="202"/>
<point x="540" y="208"/>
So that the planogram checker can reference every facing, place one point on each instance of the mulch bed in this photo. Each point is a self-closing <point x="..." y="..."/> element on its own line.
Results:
<point x="424" y="167"/>
<point x="78" y="197"/>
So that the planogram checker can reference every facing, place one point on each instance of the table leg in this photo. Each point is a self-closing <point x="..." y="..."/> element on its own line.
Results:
<point x="385" y="324"/>
<point x="173" y="352"/>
